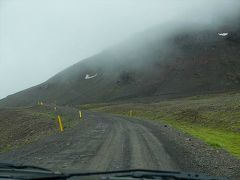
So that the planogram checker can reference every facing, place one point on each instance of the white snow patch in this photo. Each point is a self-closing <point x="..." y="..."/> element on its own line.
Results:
<point x="89" y="76"/>
<point x="222" y="34"/>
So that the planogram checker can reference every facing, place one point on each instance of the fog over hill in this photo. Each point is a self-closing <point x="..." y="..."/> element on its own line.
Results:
<point x="41" y="38"/>
<point x="171" y="59"/>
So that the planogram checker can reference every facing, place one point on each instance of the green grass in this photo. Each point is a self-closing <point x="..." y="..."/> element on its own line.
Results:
<point x="214" y="119"/>
<point x="214" y="137"/>
<point x="93" y="106"/>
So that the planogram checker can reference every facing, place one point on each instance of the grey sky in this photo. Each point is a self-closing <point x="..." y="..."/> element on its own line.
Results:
<point x="39" y="38"/>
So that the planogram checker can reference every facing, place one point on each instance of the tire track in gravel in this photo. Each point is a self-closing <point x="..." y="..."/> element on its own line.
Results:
<point x="147" y="151"/>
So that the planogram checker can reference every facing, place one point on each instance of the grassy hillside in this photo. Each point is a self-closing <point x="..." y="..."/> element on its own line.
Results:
<point x="213" y="118"/>
<point x="25" y="125"/>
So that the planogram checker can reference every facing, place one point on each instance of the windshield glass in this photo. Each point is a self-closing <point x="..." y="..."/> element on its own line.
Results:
<point x="90" y="85"/>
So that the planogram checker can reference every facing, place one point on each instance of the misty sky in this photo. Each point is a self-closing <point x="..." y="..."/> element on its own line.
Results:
<point x="39" y="38"/>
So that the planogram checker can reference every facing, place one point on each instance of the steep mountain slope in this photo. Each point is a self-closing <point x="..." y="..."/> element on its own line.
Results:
<point x="165" y="60"/>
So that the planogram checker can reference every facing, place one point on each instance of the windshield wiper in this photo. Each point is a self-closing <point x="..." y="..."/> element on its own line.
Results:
<point x="27" y="172"/>
<point x="148" y="174"/>
<point x="19" y="166"/>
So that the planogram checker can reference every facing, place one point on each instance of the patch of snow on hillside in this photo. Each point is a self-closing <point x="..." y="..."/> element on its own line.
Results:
<point x="222" y="34"/>
<point x="90" y="77"/>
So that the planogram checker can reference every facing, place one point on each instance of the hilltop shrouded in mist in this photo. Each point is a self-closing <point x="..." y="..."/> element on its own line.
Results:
<point x="158" y="62"/>
<point x="192" y="47"/>
<point x="40" y="38"/>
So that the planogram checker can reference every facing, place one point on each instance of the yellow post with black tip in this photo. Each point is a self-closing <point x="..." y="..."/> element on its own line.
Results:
<point x="60" y="123"/>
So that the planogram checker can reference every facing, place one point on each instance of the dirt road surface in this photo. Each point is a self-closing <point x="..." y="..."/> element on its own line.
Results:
<point x="103" y="142"/>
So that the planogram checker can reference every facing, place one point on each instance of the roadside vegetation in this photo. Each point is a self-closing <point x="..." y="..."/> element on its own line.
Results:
<point x="214" y="119"/>
<point x="21" y="126"/>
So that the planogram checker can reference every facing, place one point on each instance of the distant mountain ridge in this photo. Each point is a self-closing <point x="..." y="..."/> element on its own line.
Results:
<point x="150" y="64"/>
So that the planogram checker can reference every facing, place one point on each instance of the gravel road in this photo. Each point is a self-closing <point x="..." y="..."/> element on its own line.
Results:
<point x="104" y="142"/>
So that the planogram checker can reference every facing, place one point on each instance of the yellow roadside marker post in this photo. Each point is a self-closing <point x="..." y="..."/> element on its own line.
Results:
<point x="60" y="123"/>
<point x="80" y="114"/>
<point x="130" y="113"/>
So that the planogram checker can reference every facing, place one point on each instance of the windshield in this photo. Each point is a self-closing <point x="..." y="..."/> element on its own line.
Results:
<point x="113" y="85"/>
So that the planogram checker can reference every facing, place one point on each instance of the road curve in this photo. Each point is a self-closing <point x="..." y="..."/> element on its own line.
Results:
<point x="98" y="143"/>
